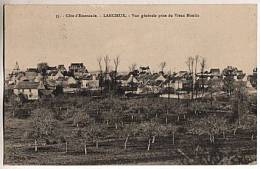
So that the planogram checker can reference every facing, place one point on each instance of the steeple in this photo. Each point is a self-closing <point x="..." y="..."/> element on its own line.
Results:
<point x="16" y="68"/>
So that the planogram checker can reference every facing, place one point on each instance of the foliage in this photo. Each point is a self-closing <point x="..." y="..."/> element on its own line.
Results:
<point x="81" y="118"/>
<point x="43" y="122"/>
<point x="95" y="132"/>
<point x="211" y="125"/>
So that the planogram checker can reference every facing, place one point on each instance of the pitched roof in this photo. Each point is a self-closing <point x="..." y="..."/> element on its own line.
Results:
<point x="61" y="67"/>
<point x="29" y="85"/>
<point x="182" y="73"/>
<point x="123" y="77"/>
<point x="89" y="77"/>
<point x="132" y="79"/>
<point x="77" y="64"/>
<point x="144" y="67"/>
<point x="31" y="70"/>
<point x="51" y="82"/>
<point x="52" y="68"/>
<point x="215" y="70"/>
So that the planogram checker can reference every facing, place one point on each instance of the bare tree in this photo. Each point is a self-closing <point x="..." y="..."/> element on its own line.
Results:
<point x="172" y="129"/>
<point x="95" y="133"/>
<point x="196" y="58"/>
<point x="129" y="130"/>
<point x="203" y="65"/>
<point x="99" y="60"/>
<point x="150" y="130"/>
<point x="162" y="66"/>
<point x="190" y="63"/>
<point x="106" y="60"/>
<point x="116" y="64"/>
<point x="196" y="63"/>
<point x="132" y="67"/>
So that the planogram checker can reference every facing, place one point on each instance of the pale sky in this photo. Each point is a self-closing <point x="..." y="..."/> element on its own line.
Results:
<point x="223" y="34"/>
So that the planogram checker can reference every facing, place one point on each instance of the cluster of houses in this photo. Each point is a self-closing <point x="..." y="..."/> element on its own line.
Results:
<point x="45" y="81"/>
<point x="33" y="83"/>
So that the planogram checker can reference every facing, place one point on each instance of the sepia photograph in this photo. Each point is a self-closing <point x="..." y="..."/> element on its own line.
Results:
<point x="130" y="84"/>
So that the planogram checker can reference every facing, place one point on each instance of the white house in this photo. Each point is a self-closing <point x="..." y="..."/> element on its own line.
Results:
<point x="178" y="84"/>
<point x="90" y="82"/>
<point x="71" y="81"/>
<point x="160" y="78"/>
<point x="131" y="79"/>
<point x="29" y="89"/>
<point x="70" y="85"/>
<point x="58" y="75"/>
<point x="55" y="76"/>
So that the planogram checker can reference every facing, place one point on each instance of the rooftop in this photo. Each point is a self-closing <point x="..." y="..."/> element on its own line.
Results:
<point x="28" y="85"/>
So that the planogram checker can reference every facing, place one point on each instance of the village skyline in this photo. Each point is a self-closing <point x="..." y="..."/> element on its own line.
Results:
<point x="154" y="69"/>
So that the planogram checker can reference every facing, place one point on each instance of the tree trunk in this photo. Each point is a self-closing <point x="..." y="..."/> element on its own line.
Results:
<point x="196" y="150"/>
<point x="153" y="140"/>
<point x="166" y="120"/>
<point x="234" y="132"/>
<point x="66" y="147"/>
<point x="107" y="122"/>
<point x="173" y="138"/>
<point x="35" y="145"/>
<point x="149" y="144"/>
<point x="125" y="145"/>
<point x="97" y="144"/>
<point x="252" y="137"/>
<point x="211" y="98"/>
<point x="85" y="149"/>
<point x="223" y="132"/>
<point x="178" y="119"/>
<point x="77" y="125"/>
<point x="192" y="92"/>
<point x="116" y="126"/>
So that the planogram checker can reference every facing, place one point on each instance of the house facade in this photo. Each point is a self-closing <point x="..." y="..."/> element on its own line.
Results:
<point x="29" y="89"/>
<point x="77" y="69"/>
<point x="144" y="70"/>
<point x="90" y="82"/>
